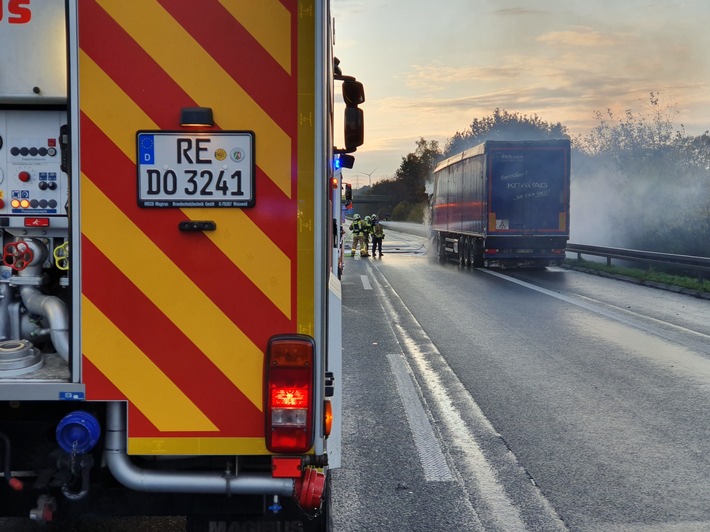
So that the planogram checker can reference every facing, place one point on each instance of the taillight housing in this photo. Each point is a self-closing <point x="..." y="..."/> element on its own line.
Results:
<point x="289" y="389"/>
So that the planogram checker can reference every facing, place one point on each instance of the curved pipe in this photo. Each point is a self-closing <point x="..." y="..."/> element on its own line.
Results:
<point x="14" y="483"/>
<point x="5" y="300"/>
<point x="54" y="309"/>
<point x="51" y="307"/>
<point x="135" y="478"/>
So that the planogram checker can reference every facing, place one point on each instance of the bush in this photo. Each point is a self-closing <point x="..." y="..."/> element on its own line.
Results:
<point x="416" y="213"/>
<point x="400" y="212"/>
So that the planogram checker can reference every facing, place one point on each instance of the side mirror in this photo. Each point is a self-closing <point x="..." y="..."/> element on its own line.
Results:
<point x="353" y="93"/>
<point x="354" y="123"/>
<point x="354" y="128"/>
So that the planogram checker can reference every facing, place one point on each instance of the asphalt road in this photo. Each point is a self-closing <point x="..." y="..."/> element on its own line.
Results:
<point x="480" y="400"/>
<point x="497" y="400"/>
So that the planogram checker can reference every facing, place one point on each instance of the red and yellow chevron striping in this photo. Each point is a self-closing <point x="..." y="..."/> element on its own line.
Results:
<point x="176" y="323"/>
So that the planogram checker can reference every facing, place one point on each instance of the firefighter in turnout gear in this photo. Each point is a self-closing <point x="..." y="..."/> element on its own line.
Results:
<point x="367" y="226"/>
<point x="358" y="229"/>
<point x="378" y="235"/>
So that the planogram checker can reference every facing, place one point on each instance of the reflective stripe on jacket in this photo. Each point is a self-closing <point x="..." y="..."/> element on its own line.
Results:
<point x="378" y="230"/>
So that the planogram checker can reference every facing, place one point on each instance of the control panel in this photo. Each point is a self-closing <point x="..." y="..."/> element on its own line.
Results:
<point x="33" y="178"/>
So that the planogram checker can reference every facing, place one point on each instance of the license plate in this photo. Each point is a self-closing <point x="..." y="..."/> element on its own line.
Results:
<point x="178" y="169"/>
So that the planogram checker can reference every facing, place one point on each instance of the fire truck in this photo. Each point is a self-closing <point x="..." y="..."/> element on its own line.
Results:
<point x="170" y="331"/>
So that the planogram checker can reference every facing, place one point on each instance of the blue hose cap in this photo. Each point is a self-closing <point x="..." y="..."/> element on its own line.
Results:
<point x="78" y="432"/>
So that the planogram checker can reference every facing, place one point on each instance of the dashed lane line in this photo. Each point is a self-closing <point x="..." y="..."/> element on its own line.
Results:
<point x="430" y="455"/>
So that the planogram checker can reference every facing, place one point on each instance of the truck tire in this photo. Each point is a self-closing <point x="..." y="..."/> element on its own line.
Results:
<point x="440" y="249"/>
<point x="477" y="260"/>
<point x="468" y="247"/>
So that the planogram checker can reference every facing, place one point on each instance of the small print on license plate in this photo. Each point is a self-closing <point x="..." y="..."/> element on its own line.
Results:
<point x="181" y="169"/>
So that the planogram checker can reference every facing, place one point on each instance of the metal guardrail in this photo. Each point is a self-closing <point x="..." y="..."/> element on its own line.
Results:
<point x="699" y="264"/>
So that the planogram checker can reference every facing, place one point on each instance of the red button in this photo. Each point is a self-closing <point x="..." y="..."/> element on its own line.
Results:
<point x="24" y="176"/>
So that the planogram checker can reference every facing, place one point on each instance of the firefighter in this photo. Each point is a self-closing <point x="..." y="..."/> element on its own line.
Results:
<point x="378" y="234"/>
<point x="367" y="230"/>
<point x="357" y="227"/>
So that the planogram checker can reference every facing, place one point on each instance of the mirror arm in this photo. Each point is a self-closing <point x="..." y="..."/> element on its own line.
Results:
<point x="343" y="150"/>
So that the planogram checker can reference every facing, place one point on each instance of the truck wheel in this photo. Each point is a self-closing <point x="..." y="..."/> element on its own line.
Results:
<point x="462" y="251"/>
<point x="440" y="249"/>
<point x="477" y="261"/>
<point x="468" y="251"/>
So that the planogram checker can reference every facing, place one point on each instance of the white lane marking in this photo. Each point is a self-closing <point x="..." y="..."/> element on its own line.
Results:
<point x="430" y="455"/>
<point x="619" y="314"/>
<point x="573" y="301"/>
<point x="365" y="282"/>
<point x="475" y="465"/>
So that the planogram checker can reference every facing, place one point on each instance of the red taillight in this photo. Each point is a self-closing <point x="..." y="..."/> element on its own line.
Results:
<point x="289" y="394"/>
<point x="490" y="251"/>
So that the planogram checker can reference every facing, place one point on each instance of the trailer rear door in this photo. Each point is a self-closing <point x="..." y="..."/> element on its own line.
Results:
<point x="528" y="188"/>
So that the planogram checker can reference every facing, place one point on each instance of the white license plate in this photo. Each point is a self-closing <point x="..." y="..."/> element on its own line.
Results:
<point x="182" y="169"/>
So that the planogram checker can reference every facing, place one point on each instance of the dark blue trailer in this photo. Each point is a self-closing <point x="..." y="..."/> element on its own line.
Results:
<point x="503" y="203"/>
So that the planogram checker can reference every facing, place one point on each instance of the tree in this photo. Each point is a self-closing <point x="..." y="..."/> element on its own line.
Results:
<point x="408" y="187"/>
<point x="502" y="125"/>
<point x="648" y="180"/>
<point x="416" y="168"/>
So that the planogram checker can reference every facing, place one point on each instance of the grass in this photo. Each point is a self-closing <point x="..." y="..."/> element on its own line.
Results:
<point x="649" y="276"/>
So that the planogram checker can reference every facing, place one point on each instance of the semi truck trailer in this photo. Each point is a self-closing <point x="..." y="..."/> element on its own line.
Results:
<point x="503" y="203"/>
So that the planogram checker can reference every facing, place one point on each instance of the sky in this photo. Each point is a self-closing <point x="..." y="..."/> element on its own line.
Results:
<point x="430" y="67"/>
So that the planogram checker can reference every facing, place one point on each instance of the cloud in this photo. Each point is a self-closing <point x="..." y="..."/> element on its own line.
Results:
<point x="581" y="36"/>
<point x="350" y="7"/>
<point x="580" y="70"/>
<point x="437" y="77"/>
<point x="560" y="60"/>
<point x="517" y="11"/>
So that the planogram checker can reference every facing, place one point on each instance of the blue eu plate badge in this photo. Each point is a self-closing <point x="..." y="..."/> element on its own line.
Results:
<point x="147" y="149"/>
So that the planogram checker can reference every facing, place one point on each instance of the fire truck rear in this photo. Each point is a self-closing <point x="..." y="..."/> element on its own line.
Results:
<point x="169" y="297"/>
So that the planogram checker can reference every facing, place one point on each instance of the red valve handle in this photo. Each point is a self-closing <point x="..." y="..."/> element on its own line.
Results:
<point x="18" y="255"/>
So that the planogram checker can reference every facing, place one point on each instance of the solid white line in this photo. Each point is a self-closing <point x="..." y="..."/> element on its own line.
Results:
<point x="430" y="455"/>
<point x="365" y="282"/>
<point x="421" y="351"/>
<point x="618" y="314"/>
